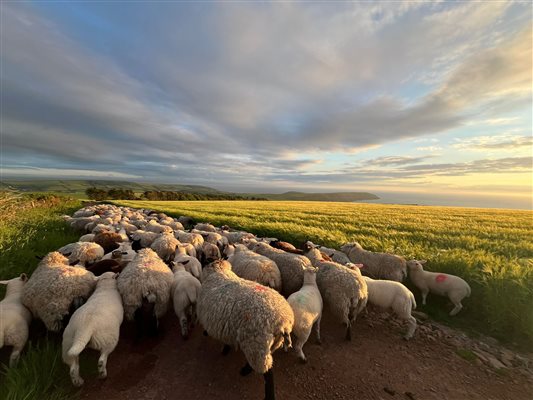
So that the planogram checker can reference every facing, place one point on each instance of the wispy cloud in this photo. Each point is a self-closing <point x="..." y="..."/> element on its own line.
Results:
<point x="496" y="142"/>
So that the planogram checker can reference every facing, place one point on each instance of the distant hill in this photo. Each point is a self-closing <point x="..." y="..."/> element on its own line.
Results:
<point x="78" y="187"/>
<point x="338" y="196"/>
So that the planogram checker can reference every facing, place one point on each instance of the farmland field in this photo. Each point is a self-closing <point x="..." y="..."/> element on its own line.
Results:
<point x="490" y="248"/>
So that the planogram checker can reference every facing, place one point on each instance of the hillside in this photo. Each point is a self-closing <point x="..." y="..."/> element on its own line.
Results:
<point x="78" y="187"/>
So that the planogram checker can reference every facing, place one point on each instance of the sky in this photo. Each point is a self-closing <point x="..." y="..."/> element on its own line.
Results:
<point x="419" y="97"/>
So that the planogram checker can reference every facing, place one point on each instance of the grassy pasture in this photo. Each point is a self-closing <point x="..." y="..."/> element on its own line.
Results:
<point x="490" y="248"/>
<point x="30" y="226"/>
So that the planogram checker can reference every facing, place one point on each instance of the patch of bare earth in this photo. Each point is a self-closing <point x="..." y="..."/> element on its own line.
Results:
<point x="377" y="364"/>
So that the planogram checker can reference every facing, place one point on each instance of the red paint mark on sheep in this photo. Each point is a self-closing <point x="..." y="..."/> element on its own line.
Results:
<point x="260" y="288"/>
<point x="440" y="278"/>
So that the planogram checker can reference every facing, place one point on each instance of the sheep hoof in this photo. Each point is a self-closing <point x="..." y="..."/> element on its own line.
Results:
<point x="77" y="382"/>
<point x="303" y="360"/>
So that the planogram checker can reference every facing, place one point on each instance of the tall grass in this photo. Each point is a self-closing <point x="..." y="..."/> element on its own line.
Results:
<point x="30" y="226"/>
<point x="491" y="248"/>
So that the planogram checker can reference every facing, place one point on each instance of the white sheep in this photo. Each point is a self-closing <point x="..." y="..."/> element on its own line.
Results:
<point x="193" y="238"/>
<point x="377" y="265"/>
<point x="344" y="290"/>
<point x="255" y="267"/>
<point x="439" y="283"/>
<point x="192" y="265"/>
<point x="145" y="289"/>
<point x="84" y="253"/>
<point x="96" y="324"/>
<point x="245" y="315"/>
<point x="291" y="266"/>
<point x="144" y="238"/>
<point x="206" y="227"/>
<point x="185" y="291"/>
<point x="306" y="304"/>
<point x="14" y="318"/>
<point x="54" y="287"/>
<point x="153" y="226"/>
<point x="394" y="295"/>
<point x="165" y="246"/>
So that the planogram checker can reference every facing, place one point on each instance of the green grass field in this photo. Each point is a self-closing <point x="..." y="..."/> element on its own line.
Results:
<point x="490" y="248"/>
<point x="30" y="226"/>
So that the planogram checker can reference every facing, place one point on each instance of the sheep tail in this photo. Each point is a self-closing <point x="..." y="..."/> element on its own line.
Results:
<point x="150" y="297"/>
<point x="79" y="343"/>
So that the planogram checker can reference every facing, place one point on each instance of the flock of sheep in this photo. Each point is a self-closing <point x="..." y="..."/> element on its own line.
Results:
<point x="250" y="293"/>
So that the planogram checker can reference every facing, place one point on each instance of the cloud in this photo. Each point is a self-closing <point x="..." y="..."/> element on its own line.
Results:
<point x="66" y="173"/>
<point x="234" y="91"/>
<point x="496" y="142"/>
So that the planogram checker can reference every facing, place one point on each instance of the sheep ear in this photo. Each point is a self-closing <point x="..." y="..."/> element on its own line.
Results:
<point x="422" y="262"/>
<point x="4" y="282"/>
<point x="116" y="275"/>
<point x="23" y="277"/>
<point x="74" y="262"/>
<point x="184" y="262"/>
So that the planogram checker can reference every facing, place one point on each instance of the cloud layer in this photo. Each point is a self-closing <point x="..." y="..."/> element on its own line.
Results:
<point x="219" y="93"/>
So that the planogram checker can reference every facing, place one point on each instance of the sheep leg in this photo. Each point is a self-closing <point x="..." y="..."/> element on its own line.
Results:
<point x="184" y="327"/>
<point x="269" y="385"/>
<point x="317" y="330"/>
<point x="456" y="309"/>
<point x="77" y="380"/>
<point x="246" y="370"/>
<point x="102" y="364"/>
<point x="14" y="358"/>
<point x="411" y="329"/>
<point x="424" y="295"/>
<point x="300" y="341"/>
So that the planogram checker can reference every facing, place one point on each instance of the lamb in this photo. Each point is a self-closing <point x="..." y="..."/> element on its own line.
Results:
<point x="14" y="318"/>
<point x="439" y="283"/>
<point x="255" y="267"/>
<point x="185" y="291"/>
<point x="343" y="290"/>
<point x="145" y="289"/>
<point x="291" y="266"/>
<point x="192" y="265"/>
<point x="306" y="304"/>
<point x="96" y="324"/>
<point x="206" y="227"/>
<point x="175" y="225"/>
<point x="54" y="287"/>
<point x="245" y="315"/>
<point x="213" y="237"/>
<point x="391" y="294"/>
<point x="377" y="265"/>
<point x="165" y="246"/>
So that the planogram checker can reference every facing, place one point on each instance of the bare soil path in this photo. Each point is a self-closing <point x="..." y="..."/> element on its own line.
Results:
<point x="377" y="364"/>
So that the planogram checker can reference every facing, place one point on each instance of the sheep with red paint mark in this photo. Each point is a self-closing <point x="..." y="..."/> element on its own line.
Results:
<point x="455" y="288"/>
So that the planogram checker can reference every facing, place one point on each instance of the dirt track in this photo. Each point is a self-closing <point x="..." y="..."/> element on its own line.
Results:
<point x="377" y="364"/>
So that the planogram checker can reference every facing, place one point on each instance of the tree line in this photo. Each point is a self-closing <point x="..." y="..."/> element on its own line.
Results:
<point x="98" y="194"/>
